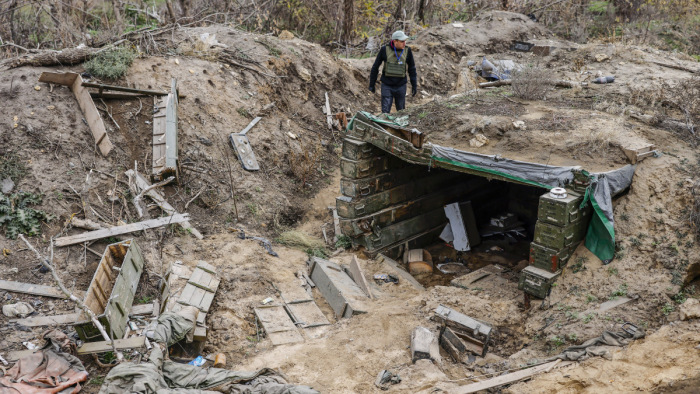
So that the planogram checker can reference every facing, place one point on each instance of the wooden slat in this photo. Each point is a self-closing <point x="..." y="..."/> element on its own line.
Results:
<point x="158" y="198"/>
<point x="508" y="378"/>
<point x="118" y="230"/>
<point x="39" y="290"/>
<point x="104" y="346"/>
<point x="87" y="106"/>
<point x="71" y="318"/>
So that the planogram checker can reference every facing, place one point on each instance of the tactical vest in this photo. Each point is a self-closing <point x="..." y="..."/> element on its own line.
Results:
<point x="394" y="67"/>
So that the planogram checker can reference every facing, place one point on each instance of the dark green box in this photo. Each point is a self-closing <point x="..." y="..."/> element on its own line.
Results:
<point x="355" y="188"/>
<point x="557" y="237"/>
<point x="400" y="231"/>
<point x="364" y="167"/>
<point x="562" y="211"/>
<point x="357" y="150"/>
<point x="550" y="259"/>
<point x="536" y="281"/>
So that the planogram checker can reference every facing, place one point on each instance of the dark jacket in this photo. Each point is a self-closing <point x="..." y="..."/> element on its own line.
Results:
<point x="393" y="81"/>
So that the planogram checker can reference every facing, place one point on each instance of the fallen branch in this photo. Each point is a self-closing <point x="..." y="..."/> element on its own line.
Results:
<point x="137" y="199"/>
<point x="668" y="124"/>
<point x="676" y="67"/>
<point x="570" y="84"/>
<point x="501" y="82"/>
<point x="48" y="265"/>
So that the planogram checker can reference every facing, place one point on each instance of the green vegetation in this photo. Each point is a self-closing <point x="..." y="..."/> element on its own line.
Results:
<point x="18" y="218"/>
<point x="620" y="292"/>
<point x="579" y="265"/>
<point x="667" y="309"/>
<point x="343" y="242"/>
<point x="111" y="64"/>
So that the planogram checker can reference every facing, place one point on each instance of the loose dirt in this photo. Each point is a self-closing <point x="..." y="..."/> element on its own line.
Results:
<point x="299" y="179"/>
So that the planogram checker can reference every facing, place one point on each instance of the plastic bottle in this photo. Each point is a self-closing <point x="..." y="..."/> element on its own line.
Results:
<point x="608" y="79"/>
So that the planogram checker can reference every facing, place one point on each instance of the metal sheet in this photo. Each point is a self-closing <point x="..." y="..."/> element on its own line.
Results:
<point x="244" y="150"/>
<point x="278" y="326"/>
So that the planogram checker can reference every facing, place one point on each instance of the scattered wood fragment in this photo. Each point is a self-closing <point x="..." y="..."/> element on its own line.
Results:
<point x="72" y="318"/>
<point x="329" y="116"/>
<point x="47" y="263"/>
<point x="119" y="230"/>
<point x="676" y="67"/>
<point x="570" y="84"/>
<point x="119" y="344"/>
<point x="501" y="82"/>
<point x="137" y="199"/>
<point x="664" y="123"/>
<point x="87" y="106"/>
<point x="140" y="183"/>
<point x="28" y="288"/>
<point x="509" y="378"/>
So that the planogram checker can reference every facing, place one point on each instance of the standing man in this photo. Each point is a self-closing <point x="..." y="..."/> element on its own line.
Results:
<point x="398" y="61"/>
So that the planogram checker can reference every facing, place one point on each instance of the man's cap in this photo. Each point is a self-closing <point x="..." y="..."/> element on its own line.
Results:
<point x="399" y="35"/>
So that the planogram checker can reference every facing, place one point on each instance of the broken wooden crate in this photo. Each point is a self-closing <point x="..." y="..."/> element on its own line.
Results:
<point x="199" y="291"/>
<point x="111" y="292"/>
<point x="461" y="333"/>
<point x="164" y="140"/>
<point x="344" y="296"/>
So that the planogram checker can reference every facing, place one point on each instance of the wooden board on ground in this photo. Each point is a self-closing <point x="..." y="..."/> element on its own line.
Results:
<point x="278" y="325"/>
<point x="38" y="290"/>
<point x="87" y="106"/>
<point x="120" y="344"/>
<point x="72" y="318"/>
<point x="465" y="280"/>
<point x="241" y="145"/>
<point x="307" y="314"/>
<point x="359" y="277"/>
<point x="421" y="344"/>
<point x="164" y="141"/>
<point x="119" y="230"/>
<point x="142" y="184"/>
<point x="508" y="378"/>
<point x="199" y="291"/>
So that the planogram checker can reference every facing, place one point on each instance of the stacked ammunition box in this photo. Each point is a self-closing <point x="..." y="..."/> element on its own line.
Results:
<point x="386" y="201"/>
<point x="561" y="226"/>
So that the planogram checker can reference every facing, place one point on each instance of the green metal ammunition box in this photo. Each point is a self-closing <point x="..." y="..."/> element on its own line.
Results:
<point x="357" y="150"/>
<point x="403" y="211"/>
<point x="364" y="187"/>
<point x="550" y="259"/>
<point x="557" y="237"/>
<point x="562" y="211"/>
<point x="536" y="281"/>
<point x="402" y="142"/>
<point x="364" y="167"/>
<point x="350" y="208"/>
<point x="401" y="231"/>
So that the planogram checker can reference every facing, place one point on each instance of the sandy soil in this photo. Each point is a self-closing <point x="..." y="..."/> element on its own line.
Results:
<point x="572" y="127"/>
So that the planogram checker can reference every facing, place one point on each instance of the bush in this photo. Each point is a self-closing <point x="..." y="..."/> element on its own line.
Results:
<point x="18" y="218"/>
<point x="530" y="83"/>
<point x="112" y="64"/>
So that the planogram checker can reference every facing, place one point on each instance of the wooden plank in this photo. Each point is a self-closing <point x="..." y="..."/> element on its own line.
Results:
<point x="158" y="198"/>
<point x="38" y="290"/>
<point x="87" y="106"/>
<point x="278" y="325"/>
<point x="508" y="378"/>
<point x="359" y="277"/>
<point x="207" y="267"/>
<point x="57" y="320"/>
<point x="307" y="314"/>
<point x="204" y="280"/>
<point x="244" y="150"/>
<point x="104" y="346"/>
<point x="405" y="275"/>
<point x="250" y="125"/>
<point x="118" y="230"/>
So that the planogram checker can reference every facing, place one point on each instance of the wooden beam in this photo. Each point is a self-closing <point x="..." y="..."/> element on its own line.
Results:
<point x="87" y="106"/>
<point x="72" y="318"/>
<point x="158" y="198"/>
<point x="104" y="346"/>
<point x="124" y="89"/>
<point x="39" y="290"/>
<point x="119" y="230"/>
<point x="508" y="378"/>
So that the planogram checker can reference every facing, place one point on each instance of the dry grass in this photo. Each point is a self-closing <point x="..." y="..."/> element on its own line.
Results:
<point x="695" y="209"/>
<point x="303" y="165"/>
<point x="530" y="83"/>
<point x="597" y="142"/>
